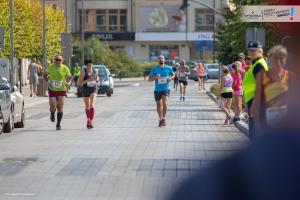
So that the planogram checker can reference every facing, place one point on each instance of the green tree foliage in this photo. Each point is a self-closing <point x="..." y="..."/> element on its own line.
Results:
<point x="231" y="35"/>
<point x="27" y="19"/>
<point x="119" y="62"/>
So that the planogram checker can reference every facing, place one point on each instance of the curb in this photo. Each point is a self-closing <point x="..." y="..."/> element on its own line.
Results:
<point x="242" y="126"/>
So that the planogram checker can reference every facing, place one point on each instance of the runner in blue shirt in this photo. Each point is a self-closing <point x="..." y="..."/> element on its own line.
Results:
<point x="162" y="75"/>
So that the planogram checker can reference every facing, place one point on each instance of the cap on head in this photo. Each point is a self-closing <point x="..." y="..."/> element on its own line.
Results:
<point x="254" y="45"/>
<point x="177" y="64"/>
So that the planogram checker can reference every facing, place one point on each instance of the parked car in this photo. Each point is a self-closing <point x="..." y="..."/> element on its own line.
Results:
<point x="18" y="108"/>
<point x="212" y="71"/>
<point x="6" y="107"/>
<point x="106" y="84"/>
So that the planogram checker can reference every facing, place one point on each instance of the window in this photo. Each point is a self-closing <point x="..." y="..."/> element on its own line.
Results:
<point x="112" y="20"/>
<point x="170" y="52"/>
<point x="204" y="20"/>
<point x="86" y="16"/>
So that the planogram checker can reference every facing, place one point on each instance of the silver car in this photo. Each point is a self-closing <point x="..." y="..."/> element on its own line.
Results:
<point x="213" y="71"/>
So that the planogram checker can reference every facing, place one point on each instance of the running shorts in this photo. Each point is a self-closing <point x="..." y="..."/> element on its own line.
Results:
<point x="183" y="82"/>
<point x="159" y="94"/>
<point x="227" y="95"/>
<point x="57" y="93"/>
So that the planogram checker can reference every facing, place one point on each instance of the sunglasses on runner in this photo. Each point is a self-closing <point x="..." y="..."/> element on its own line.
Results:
<point x="57" y="60"/>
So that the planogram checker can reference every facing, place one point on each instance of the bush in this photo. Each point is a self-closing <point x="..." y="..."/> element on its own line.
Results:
<point x="215" y="89"/>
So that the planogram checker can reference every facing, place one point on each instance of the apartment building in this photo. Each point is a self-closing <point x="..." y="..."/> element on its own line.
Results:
<point x="147" y="28"/>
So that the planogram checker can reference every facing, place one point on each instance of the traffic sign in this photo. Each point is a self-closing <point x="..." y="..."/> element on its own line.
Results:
<point x="253" y="34"/>
<point x="1" y="39"/>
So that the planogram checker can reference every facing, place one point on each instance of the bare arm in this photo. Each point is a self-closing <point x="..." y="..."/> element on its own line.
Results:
<point x="81" y="82"/>
<point x="221" y="85"/>
<point x="152" y="78"/>
<point x="257" y="101"/>
<point x="29" y="68"/>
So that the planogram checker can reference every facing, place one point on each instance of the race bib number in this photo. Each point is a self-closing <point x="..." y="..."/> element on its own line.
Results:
<point x="274" y="115"/>
<point x="162" y="80"/>
<point x="181" y="74"/>
<point x="57" y="84"/>
<point x="91" y="84"/>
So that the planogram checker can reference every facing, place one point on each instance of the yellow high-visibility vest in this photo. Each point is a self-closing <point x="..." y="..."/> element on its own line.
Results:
<point x="249" y="82"/>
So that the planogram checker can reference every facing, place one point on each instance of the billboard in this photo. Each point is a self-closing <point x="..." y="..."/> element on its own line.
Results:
<point x="161" y="18"/>
<point x="271" y="13"/>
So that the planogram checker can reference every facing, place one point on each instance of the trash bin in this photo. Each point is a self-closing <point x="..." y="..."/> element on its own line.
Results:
<point x="41" y="88"/>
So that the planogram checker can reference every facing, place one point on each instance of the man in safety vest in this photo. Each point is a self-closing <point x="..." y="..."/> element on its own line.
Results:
<point x="76" y="73"/>
<point x="255" y="51"/>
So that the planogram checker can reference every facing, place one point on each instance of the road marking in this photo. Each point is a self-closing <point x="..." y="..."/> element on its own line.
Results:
<point x="19" y="194"/>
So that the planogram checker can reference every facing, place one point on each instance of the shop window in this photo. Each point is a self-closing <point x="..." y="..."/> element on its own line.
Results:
<point x="86" y="16"/>
<point x="204" y="20"/>
<point x="112" y="20"/>
<point x="170" y="52"/>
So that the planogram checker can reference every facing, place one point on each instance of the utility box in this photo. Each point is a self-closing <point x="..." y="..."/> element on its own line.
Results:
<point x="4" y="68"/>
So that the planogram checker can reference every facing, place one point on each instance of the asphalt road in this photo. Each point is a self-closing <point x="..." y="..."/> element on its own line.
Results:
<point x="126" y="156"/>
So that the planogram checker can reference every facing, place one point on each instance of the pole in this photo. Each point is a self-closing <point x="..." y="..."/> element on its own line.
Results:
<point x="66" y="30"/>
<point x="44" y="46"/>
<point x="214" y="32"/>
<point x="82" y="31"/>
<point x="11" y="55"/>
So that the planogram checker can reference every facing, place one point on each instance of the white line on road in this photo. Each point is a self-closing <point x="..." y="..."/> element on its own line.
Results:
<point x="19" y="194"/>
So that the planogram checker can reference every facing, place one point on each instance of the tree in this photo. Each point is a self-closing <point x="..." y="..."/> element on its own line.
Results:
<point x="231" y="35"/>
<point x="27" y="18"/>
<point x="100" y="53"/>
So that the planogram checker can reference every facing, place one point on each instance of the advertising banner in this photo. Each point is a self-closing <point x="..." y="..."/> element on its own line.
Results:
<point x="271" y="13"/>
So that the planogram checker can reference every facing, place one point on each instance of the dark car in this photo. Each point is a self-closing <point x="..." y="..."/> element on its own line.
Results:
<point x="6" y="108"/>
<point x="106" y="84"/>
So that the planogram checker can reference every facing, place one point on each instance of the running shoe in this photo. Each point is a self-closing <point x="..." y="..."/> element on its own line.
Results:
<point x="160" y="123"/>
<point x="163" y="122"/>
<point x="183" y="98"/>
<point x="52" y="117"/>
<point x="58" y="127"/>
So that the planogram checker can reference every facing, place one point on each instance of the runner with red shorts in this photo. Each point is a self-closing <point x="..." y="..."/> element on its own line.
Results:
<point x="59" y="79"/>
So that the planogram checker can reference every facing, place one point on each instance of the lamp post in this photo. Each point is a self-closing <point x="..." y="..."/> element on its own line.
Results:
<point x="82" y="31"/>
<point x="185" y="5"/>
<point x="11" y="55"/>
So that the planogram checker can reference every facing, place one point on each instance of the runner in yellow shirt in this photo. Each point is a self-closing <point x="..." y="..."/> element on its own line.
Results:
<point x="59" y="79"/>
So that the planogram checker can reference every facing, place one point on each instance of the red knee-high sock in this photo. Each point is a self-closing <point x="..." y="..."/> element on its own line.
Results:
<point x="87" y="112"/>
<point x="92" y="113"/>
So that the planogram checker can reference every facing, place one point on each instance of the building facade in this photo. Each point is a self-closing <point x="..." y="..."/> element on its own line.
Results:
<point x="148" y="28"/>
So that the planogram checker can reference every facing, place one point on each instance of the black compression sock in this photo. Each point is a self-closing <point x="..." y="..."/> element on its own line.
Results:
<point x="59" y="117"/>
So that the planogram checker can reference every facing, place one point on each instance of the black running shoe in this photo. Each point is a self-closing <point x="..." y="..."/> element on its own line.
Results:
<point x="58" y="127"/>
<point x="52" y="117"/>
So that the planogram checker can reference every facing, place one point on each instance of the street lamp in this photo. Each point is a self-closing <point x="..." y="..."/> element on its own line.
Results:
<point x="185" y="5"/>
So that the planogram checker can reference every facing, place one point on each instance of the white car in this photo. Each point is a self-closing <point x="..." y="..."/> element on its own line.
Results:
<point x="18" y="108"/>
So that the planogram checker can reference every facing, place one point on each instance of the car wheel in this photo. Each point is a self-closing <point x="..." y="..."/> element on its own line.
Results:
<point x="21" y="124"/>
<point x="112" y="90"/>
<point x="9" y="126"/>
<point x="1" y="122"/>
<point x="109" y="92"/>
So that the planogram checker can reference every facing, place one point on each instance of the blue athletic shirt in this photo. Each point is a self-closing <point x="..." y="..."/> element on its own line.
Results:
<point x="165" y="72"/>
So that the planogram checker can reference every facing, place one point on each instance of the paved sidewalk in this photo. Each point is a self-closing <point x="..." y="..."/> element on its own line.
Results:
<point x="126" y="156"/>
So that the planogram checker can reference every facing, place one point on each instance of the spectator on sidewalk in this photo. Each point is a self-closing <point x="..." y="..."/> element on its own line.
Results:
<point x="200" y="70"/>
<point x="248" y="62"/>
<point x="255" y="51"/>
<point x="76" y="73"/>
<point x="33" y="75"/>
<point x="271" y="96"/>
<point x="237" y="90"/>
<point x="226" y="93"/>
